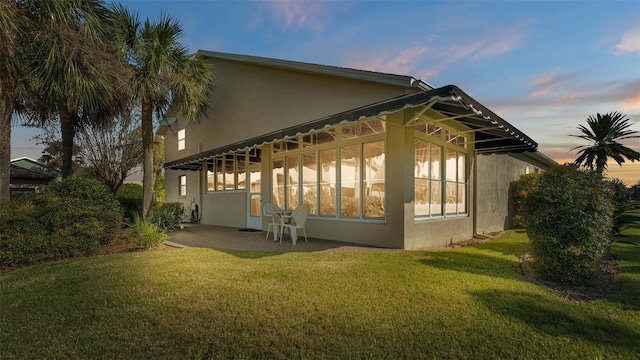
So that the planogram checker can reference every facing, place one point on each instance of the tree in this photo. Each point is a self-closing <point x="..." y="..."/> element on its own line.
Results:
<point x="605" y="133"/>
<point x="10" y="80"/>
<point x="76" y="75"/>
<point x="112" y="149"/>
<point x="163" y="75"/>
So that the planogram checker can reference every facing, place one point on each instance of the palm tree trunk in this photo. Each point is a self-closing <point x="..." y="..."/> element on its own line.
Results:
<point x="68" y="132"/>
<point x="6" y="110"/>
<point x="147" y="168"/>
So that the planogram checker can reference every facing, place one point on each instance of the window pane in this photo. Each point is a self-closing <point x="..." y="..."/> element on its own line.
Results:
<point x="181" y="139"/>
<point x="363" y="128"/>
<point x="373" y="179"/>
<point x="434" y="130"/>
<point x="350" y="181"/>
<point x="328" y="182"/>
<point x="241" y="174"/>
<point x="436" y="156"/>
<point x="211" y="181"/>
<point x="462" y="198"/>
<point x="291" y="179"/>
<point x="219" y="173"/>
<point x="420" y="126"/>
<point x="421" y="166"/>
<point x="421" y="203"/>
<point x="229" y="175"/>
<point x="450" y="165"/>
<point x="183" y="185"/>
<point x="452" y="198"/>
<point x="255" y="181"/>
<point x="309" y="179"/>
<point x="462" y="172"/>
<point x="436" y="198"/>
<point x="255" y="205"/>
<point x="278" y="182"/>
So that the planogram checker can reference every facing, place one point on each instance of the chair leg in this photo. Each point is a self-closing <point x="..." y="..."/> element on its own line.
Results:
<point x="304" y="231"/>
<point x="268" y="229"/>
<point x="294" y="236"/>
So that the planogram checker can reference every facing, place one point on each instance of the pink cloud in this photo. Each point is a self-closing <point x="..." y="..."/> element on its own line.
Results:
<point x="630" y="43"/>
<point x="299" y="14"/>
<point x="402" y="62"/>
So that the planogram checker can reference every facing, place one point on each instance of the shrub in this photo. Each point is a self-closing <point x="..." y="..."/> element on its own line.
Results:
<point x="168" y="216"/>
<point x="526" y="184"/>
<point x="89" y="190"/>
<point x="145" y="234"/>
<point x="44" y="227"/>
<point x="621" y="202"/>
<point x="130" y="198"/>
<point x="569" y="220"/>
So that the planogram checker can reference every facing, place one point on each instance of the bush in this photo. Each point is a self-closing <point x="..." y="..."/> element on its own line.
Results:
<point x="621" y="202"/>
<point x="168" y="216"/>
<point x="130" y="198"/>
<point x="569" y="220"/>
<point x="89" y="190"/>
<point x="526" y="184"/>
<point x="44" y="227"/>
<point x="145" y="234"/>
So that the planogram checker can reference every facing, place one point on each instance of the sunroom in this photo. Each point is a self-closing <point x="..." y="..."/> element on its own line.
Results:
<point x="399" y="173"/>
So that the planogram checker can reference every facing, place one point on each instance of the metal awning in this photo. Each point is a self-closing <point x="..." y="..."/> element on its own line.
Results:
<point x="492" y="133"/>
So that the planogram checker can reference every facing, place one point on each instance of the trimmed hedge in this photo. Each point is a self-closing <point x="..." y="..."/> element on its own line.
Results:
<point x="45" y="227"/>
<point x="569" y="219"/>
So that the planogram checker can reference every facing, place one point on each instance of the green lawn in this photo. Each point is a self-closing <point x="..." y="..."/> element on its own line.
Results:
<point x="469" y="302"/>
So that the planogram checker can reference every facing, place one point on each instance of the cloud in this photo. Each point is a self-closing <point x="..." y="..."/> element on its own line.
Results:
<point x="630" y="43"/>
<point x="401" y="62"/>
<point x="430" y="56"/>
<point x="547" y="83"/>
<point x="299" y="14"/>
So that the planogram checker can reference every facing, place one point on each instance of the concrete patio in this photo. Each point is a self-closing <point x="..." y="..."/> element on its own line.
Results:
<point x="228" y="238"/>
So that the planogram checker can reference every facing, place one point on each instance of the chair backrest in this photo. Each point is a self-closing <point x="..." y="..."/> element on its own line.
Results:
<point x="300" y="215"/>
<point x="269" y="208"/>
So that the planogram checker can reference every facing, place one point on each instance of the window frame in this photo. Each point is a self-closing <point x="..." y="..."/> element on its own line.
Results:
<point x="182" y="139"/>
<point x="306" y="147"/>
<point x="182" y="186"/>
<point x="448" y="140"/>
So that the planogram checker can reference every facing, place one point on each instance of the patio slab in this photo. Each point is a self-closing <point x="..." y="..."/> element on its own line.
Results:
<point x="229" y="238"/>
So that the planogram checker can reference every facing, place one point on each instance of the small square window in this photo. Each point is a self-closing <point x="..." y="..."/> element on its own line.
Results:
<point x="181" y="139"/>
<point x="183" y="185"/>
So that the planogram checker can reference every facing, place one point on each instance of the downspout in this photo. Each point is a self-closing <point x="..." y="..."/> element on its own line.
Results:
<point x="475" y="193"/>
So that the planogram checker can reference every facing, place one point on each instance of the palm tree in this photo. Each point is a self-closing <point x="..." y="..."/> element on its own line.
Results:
<point x="605" y="133"/>
<point x="9" y="82"/>
<point x="75" y="72"/>
<point x="163" y="75"/>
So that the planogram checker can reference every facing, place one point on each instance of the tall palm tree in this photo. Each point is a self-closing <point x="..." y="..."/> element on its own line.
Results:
<point x="10" y="26"/>
<point x="75" y="72"/>
<point x="605" y="133"/>
<point x="164" y="75"/>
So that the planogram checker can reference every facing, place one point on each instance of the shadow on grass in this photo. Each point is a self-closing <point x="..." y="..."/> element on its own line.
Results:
<point x="549" y="317"/>
<point x="473" y="263"/>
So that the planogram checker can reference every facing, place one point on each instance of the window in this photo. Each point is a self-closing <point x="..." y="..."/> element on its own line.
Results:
<point x="182" y="191"/>
<point x="339" y="172"/>
<point x="440" y="172"/>
<point x="181" y="139"/>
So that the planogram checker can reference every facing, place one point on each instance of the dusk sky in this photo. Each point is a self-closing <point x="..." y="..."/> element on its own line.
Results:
<point x="544" y="66"/>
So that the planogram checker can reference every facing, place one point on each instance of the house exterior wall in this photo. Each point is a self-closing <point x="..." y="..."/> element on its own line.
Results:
<point x="497" y="178"/>
<point x="252" y="100"/>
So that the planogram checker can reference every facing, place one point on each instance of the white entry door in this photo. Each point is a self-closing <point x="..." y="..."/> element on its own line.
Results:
<point x="254" y="197"/>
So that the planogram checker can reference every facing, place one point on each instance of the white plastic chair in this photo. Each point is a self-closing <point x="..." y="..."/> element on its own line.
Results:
<point x="268" y="211"/>
<point x="299" y="218"/>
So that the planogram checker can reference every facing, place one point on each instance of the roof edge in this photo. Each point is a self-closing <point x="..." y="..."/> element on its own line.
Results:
<point x="365" y="75"/>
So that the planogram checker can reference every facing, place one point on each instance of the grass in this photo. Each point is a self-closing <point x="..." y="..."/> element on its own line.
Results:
<point x="469" y="302"/>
